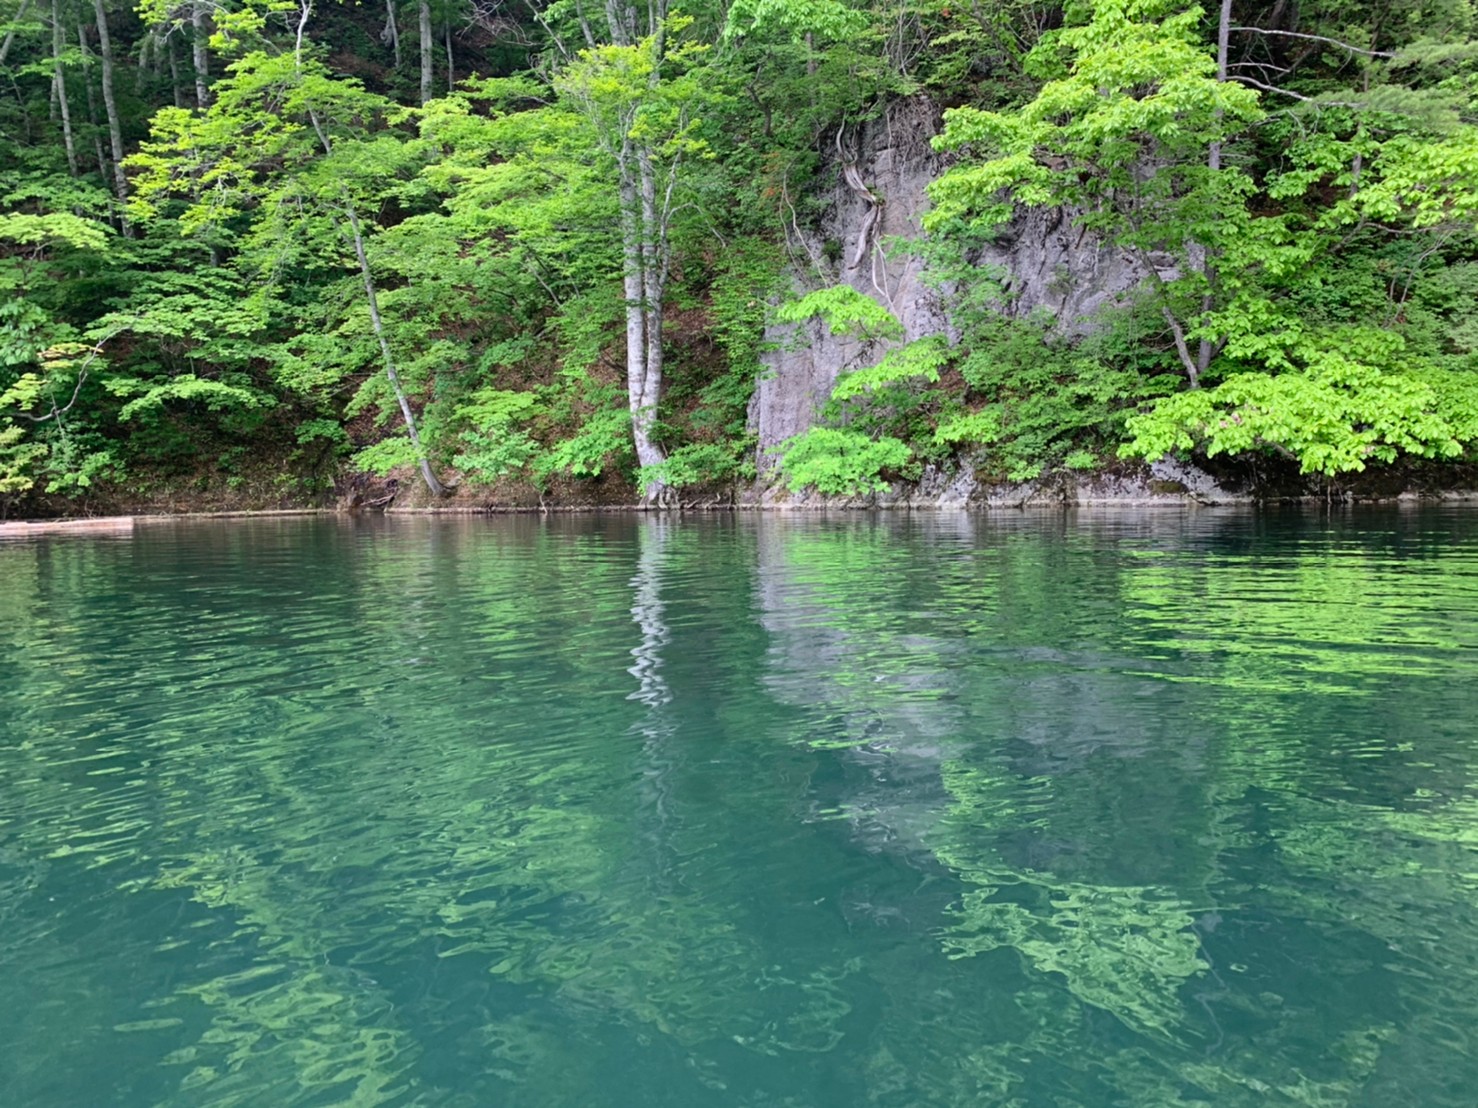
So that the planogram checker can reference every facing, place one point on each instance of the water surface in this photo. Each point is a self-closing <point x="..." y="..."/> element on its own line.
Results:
<point x="1083" y="809"/>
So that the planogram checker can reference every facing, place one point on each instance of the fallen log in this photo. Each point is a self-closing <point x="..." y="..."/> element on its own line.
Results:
<point x="101" y="525"/>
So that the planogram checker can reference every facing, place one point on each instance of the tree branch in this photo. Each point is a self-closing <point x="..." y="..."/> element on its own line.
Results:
<point x="1319" y="38"/>
<point x="1297" y="95"/>
<point x="1192" y="371"/>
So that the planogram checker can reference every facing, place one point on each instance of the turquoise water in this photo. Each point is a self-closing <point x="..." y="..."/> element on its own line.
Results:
<point x="1115" y="809"/>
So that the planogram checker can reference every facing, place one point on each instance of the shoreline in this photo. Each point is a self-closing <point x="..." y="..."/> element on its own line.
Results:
<point x="121" y="523"/>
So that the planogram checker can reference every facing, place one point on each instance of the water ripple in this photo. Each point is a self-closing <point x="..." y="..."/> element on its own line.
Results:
<point x="1093" y="808"/>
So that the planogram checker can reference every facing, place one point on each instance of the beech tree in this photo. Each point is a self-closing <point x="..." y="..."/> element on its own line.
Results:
<point x="1144" y="136"/>
<point x="306" y="152"/>
<point x="641" y="103"/>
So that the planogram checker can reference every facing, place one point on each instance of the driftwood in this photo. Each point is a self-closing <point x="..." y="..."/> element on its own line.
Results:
<point x="101" y="525"/>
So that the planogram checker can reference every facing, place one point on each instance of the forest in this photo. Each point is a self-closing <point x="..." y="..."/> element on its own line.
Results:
<point x="258" y="251"/>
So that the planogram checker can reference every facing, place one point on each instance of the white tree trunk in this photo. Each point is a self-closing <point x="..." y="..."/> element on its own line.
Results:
<point x="427" y="474"/>
<point x="391" y="34"/>
<point x="654" y="287"/>
<point x="110" y="105"/>
<point x="640" y="393"/>
<point x="92" y="106"/>
<point x="1205" y="351"/>
<point x="427" y="46"/>
<point x="643" y="255"/>
<point x="175" y="92"/>
<point x="451" y="69"/>
<point x="10" y="35"/>
<point x="372" y="299"/>
<point x="200" y="52"/>
<point x="59" y="76"/>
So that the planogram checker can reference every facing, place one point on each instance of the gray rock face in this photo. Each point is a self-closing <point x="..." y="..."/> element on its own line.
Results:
<point x="1045" y="260"/>
<point x="893" y="157"/>
<point x="1051" y="264"/>
<point x="1166" y="483"/>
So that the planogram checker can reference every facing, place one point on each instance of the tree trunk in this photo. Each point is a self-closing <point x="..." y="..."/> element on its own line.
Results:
<point x="175" y="91"/>
<point x="654" y="287"/>
<point x="200" y="52"/>
<point x="1223" y="36"/>
<point x="10" y="35"/>
<point x="426" y="51"/>
<point x="643" y="253"/>
<point x="371" y="297"/>
<point x="634" y="288"/>
<point x="115" y="129"/>
<point x="391" y="34"/>
<point x="643" y="293"/>
<point x="451" y="73"/>
<point x="390" y="372"/>
<point x="59" y="76"/>
<point x="1205" y="351"/>
<point x="92" y="104"/>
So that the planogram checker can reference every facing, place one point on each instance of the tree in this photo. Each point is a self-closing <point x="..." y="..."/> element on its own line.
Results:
<point x="641" y="99"/>
<point x="428" y="46"/>
<point x="110" y="105"/>
<point x="1149" y="137"/>
<point x="1130" y="137"/>
<point x="303" y="152"/>
<point x="44" y="369"/>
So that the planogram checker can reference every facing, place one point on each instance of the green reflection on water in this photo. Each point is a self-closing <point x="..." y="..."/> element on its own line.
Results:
<point x="1091" y="810"/>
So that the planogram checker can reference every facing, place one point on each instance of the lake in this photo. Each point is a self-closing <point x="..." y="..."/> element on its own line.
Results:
<point x="1161" y="808"/>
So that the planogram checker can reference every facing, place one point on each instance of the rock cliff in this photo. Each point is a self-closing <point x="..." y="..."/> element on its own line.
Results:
<point x="876" y="197"/>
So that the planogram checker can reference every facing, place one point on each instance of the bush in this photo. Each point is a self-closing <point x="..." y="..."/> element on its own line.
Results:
<point x="840" y="463"/>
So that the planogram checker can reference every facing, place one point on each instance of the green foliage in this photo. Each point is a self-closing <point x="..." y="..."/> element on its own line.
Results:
<point x="839" y="462"/>
<point x="53" y="229"/>
<point x="1120" y="135"/>
<point x="1272" y="283"/>
<point x="1336" y="417"/>
<point x="828" y="18"/>
<point x="750" y="275"/>
<point x="18" y="459"/>
<point x="214" y="396"/>
<point x="77" y="461"/>
<point x="1043" y="397"/>
<point x="322" y="430"/>
<point x="844" y="311"/>
<point x="497" y="443"/>
<point x="227" y="314"/>
<point x="385" y="456"/>
<point x="604" y="436"/>
<point x="699" y="463"/>
<point x="922" y="358"/>
<point x="1021" y="398"/>
<point x="977" y="428"/>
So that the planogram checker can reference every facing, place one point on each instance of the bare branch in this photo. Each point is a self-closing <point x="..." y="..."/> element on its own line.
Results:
<point x="1192" y="373"/>
<point x="1319" y="38"/>
<point x="1279" y="69"/>
<point x="93" y="354"/>
<point x="1298" y="95"/>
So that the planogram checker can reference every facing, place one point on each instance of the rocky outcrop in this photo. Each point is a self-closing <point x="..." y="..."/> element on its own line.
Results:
<point x="1048" y="263"/>
<point x="1167" y="482"/>
<point x="875" y="204"/>
<point x="877" y="196"/>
